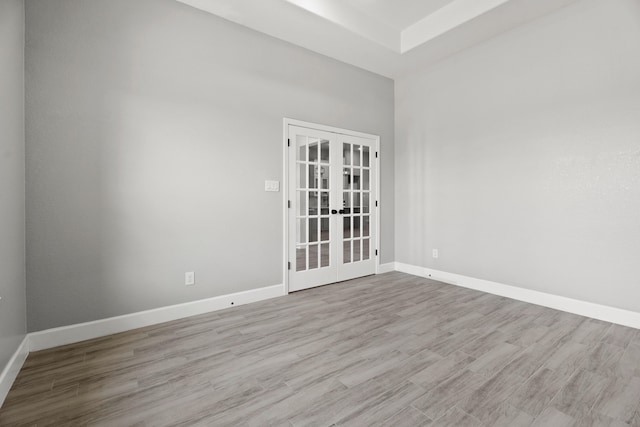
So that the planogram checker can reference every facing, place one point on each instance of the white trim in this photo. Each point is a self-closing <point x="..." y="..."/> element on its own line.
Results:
<point x="83" y="331"/>
<point x="443" y="20"/>
<point x="352" y="19"/>
<point x="378" y="204"/>
<point x="386" y="268"/>
<point x="326" y="128"/>
<point x="10" y="372"/>
<point x="286" y="122"/>
<point x="285" y="205"/>
<point x="582" y="308"/>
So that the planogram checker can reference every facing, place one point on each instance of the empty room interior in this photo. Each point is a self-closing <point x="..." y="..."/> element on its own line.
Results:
<point x="320" y="213"/>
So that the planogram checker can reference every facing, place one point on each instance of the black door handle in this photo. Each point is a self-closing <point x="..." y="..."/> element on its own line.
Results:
<point x="341" y="211"/>
<point x="333" y="211"/>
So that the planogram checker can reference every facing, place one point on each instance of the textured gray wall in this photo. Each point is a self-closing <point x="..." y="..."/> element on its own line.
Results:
<point x="520" y="159"/>
<point x="12" y="275"/>
<point x="151" y="127"/>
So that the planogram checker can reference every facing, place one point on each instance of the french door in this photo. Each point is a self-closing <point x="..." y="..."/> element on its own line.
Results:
<point x="332" y="212"/>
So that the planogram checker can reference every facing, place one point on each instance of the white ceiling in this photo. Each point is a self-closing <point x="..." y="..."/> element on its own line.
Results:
<point x="388" y="37"/>
<point x="398" y="14"/>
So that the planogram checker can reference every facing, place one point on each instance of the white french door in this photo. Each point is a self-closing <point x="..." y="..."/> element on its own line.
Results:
<point x="332" y="213"/>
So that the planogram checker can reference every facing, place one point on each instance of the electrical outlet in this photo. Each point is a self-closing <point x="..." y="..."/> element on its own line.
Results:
<point x="189" y="278"/>
<point x="434" y="253"/>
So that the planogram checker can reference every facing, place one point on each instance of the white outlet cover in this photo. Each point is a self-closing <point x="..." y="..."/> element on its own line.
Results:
<point x="272" y="186"/>
<point x="189" y="278"/>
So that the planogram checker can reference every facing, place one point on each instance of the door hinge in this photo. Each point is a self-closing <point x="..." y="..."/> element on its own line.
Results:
<point x="376" y="154"/>
<point x="288" y="266"/>
<point x="376" y="203"/>
<point x="289" y="143"/>
<point x="376" y="252"/>
<point x="289" y="203"/>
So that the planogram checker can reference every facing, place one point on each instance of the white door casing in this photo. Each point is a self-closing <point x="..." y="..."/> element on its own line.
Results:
<point x="331" y="204"/>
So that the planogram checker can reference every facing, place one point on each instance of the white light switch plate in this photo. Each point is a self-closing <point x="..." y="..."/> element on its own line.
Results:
<point x="272" y="186"/>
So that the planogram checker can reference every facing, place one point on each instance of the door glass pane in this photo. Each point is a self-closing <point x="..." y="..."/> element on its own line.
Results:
<point x="301" y="203"/>
<point x="313" y="176"/>
<point x="301" y="228"/>
<point x="356" y="250"/>
<point x="324" y="229"/>
<point x="301" y="259"/>
<point x="302" y="147"/>
<point x="346" y="202"/>
<point x="365" y="249"/>
<point x="324" y="255"/>
<point x="346" y="178"/>
<point x="346" y="223"/>
<point x="324" y="177"/>
<point x="313" y="203"/>
<point x="356" y="203"/>
<point x="302" y="175"/>
<point x="324" y="203"/>
<point x="315" y="226"/>
<point x="313" y="230"/>
<point x="324" y="151"/>
<point x="346" y="257"/>
<point x="346" y="154"/>
<point x="356" y="226"/>
<point x="313" y="151"/>
<point x="313" y="257"/>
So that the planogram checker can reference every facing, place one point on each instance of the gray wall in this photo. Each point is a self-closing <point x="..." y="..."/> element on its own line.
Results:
<point x="151" y="127"/>
<point x="12" y="271"/>
<point x="520" y="159"/>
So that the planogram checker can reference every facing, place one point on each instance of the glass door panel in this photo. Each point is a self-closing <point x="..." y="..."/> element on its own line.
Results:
<point x="356" y="257"/>
<point x="332" y="191"/>
<point x="312" y="210"/>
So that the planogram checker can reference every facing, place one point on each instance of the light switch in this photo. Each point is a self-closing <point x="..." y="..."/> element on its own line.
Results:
<point x="272" y="186"/>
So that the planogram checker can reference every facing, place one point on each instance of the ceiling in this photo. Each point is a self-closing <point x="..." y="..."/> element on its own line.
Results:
<point x="398" y="14"/>
<point x="387" y="37"/>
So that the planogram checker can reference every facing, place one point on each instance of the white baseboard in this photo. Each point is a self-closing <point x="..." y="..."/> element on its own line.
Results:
<point x="83" y="331"/>
<point x="582" y="308"/>
<point x="10" y="372"/>
<point x="386" y="268"/>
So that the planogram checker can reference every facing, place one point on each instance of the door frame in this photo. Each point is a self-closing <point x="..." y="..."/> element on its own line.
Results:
<point x="286" y="122"/>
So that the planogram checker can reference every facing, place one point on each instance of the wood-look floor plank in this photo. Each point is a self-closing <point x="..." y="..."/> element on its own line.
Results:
<point x="407" y="417"/>
<point x="620" y="399"/>
<point x="495" y="359"/>
<point x="384" y="405"/>
<point x="590" y="419"/>
<point x="567" y="358"/>
<point x="590" y="331"/>
<point x="457" y="418"/>
<point x="580" y="393"/>
<point x="619" y="335"/>
<point x="442" y="398"/>
<point x="506" y="415"/>
<point x="534" y="396"/>
<point x="628" y="365"/>
<point x="441" y="369"/>
<point x="551" y="417"/>
<point x="388" y="350"/>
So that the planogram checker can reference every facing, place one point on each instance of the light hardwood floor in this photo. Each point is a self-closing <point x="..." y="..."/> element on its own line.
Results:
<point x="388" y="350"/>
